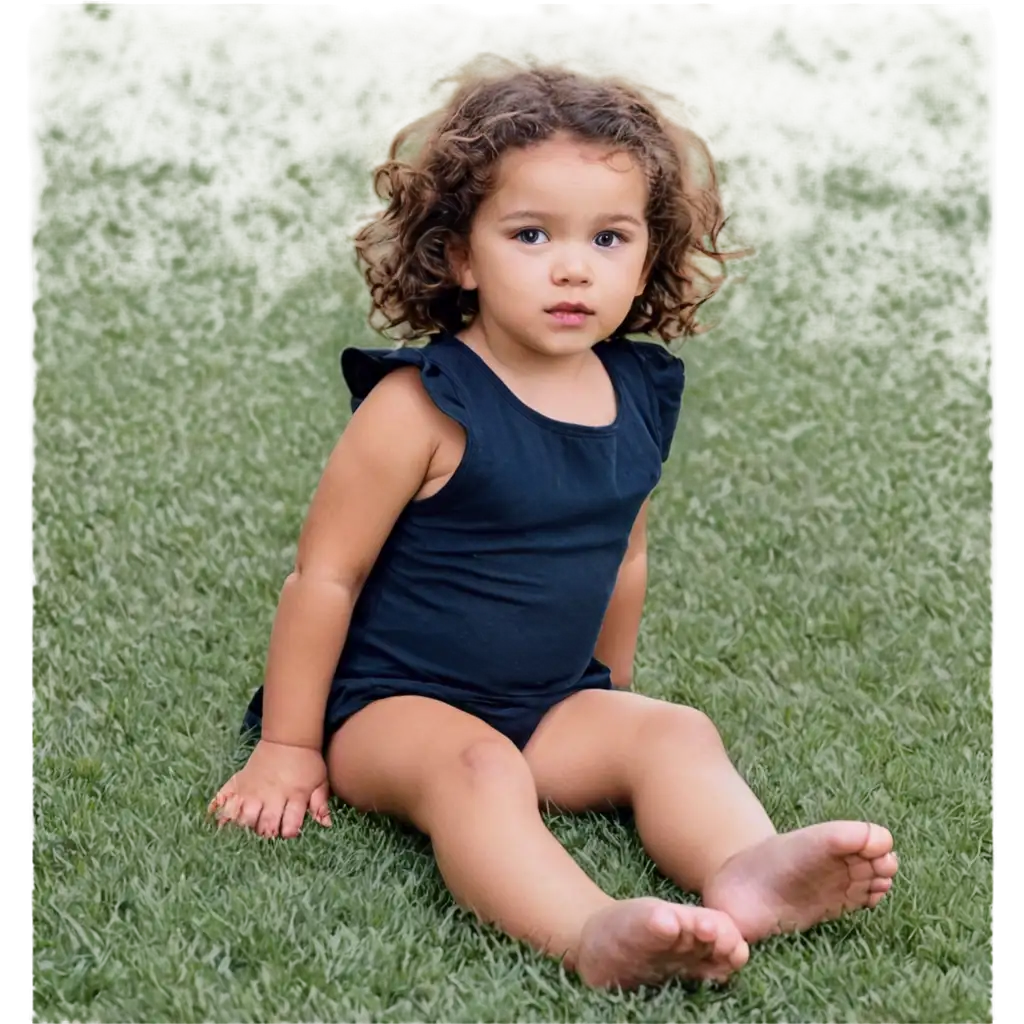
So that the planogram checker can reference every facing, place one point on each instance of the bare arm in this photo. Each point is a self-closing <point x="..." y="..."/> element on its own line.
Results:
<point x="376" y="468"/>
<point x="616" y="643"/>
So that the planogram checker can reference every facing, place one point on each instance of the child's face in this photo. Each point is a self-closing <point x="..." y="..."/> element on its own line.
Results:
<point x="571" y="248"/>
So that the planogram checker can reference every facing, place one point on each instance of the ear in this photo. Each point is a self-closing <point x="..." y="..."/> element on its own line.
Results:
<point x="458" y="260"/>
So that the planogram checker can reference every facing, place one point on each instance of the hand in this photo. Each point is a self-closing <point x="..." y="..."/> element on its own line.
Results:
<point x="272" y="793"/>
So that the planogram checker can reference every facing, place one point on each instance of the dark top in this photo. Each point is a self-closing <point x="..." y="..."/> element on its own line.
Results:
<point x="496" y="586"/>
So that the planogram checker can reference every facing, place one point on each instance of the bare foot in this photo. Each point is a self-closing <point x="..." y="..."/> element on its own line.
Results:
<point x="794" y="881"/>
<point x="647" y="941"/>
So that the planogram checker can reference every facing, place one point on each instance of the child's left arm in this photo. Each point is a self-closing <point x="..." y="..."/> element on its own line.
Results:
<point x="616" y="643"/>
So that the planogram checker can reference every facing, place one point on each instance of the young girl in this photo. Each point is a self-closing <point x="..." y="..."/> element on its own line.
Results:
<point x="455" y="644"/>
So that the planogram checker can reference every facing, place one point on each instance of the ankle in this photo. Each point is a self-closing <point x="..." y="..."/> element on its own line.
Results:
<point x="570" y="958"/>
<point x="728" y="862"/>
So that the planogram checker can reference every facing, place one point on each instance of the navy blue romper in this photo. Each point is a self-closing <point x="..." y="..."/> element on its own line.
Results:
<point x="489" y="594"/>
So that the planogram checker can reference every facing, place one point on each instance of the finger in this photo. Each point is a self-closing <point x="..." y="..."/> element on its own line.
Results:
<point x="294" y="815"/>
<point x="269" y="823"/>
<point x="250" y="812"/>
<point x="229" y="811"/>
<point x="228" y="789"/>
<point x="318" y="805"/>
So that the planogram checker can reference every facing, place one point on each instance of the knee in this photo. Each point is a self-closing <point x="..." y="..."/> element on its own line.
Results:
<point x="487" y="764"/>
<point x="679" y="726"/>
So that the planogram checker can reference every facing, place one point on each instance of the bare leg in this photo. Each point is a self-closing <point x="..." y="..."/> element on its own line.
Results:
<point x="470" y="790"/>
<point x="698" y="819"/>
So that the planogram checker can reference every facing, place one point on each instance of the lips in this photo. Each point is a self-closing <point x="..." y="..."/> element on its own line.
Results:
<point x="570" y="307"/>
<point x="568" y="318"/>
<point x="569" y="314"/>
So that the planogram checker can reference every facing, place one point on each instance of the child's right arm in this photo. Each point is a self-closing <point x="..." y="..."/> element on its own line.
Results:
<point x="380" y="462"/>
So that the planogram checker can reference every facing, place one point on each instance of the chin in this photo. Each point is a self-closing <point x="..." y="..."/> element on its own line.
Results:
<point x="564" y="343"/>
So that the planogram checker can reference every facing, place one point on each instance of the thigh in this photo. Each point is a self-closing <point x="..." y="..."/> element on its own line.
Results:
<point x="388" y="756"/>
<point x="588" y="750"/>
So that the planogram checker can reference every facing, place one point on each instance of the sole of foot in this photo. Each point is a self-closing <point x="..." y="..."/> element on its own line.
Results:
<point x="649" y="941"/>
<point x="796" y="880"/>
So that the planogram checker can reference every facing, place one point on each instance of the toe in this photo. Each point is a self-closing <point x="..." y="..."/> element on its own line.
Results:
<point x="886" y="866"/>
<point x="851" y="838"/>
<point x="878" y="842"/>
<point x="861" y="870"/>
<point x="663" y="922"/>
<point x="705" y="928"/>
<point x="875" y="899"/>
<point x="740" y="955"/>
<point x="725" y="947"/>
<point x="729" y="954"/>
<point x="727" y="939"/>
<point x="880" y="885"/>
<point x="858" y="895"/>
<point x="686" y="942"/>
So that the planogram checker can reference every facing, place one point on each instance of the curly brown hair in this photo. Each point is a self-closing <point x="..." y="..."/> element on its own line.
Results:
<point x="450" y="155"/>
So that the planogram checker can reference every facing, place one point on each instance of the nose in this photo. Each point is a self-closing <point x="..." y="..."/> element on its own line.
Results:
<point x="571" y="266"/>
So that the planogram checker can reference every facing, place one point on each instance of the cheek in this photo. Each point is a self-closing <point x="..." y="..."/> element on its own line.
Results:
<point x="516" y="272"/>
<point x="626" y="272"/>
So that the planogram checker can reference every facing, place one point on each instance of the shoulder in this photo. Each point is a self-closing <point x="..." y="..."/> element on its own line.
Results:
<point x="364" y="368"/>
<point x="401" y="393"/>
<point x="414" y="375"/>
<point x="663" y="369"/>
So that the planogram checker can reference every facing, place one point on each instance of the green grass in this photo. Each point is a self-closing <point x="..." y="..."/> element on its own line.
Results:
<point x="819" y="585"/>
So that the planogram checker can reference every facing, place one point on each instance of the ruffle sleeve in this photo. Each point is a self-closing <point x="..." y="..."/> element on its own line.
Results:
<point x="362" y="368"/>
<point x="666" y="378"/>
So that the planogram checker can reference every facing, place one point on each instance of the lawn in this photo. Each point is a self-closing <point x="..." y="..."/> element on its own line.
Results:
<point x="819" y="578"/>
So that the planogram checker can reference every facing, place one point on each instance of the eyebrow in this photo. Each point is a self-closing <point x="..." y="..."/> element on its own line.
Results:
<point x="611" y="218"/>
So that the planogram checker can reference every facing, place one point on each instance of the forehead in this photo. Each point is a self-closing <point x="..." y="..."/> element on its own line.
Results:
<point x="564" y="173"/>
